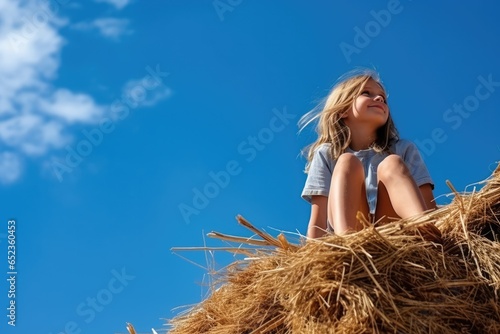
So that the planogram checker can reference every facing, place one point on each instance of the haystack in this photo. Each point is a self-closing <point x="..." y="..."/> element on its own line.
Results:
<point x="395" y="278"/>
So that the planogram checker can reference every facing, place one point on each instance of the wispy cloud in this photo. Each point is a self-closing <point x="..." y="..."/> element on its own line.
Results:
<point x="112" y="27"/>
<point x="119" y="4"/>
<point x="72" y="107"/>
<point x="31" y="134"/>
<point x="108" y="27"/>
<point x="134" y="91"/>
<point x="10" y="167"/>
<point x="35" y="115"/>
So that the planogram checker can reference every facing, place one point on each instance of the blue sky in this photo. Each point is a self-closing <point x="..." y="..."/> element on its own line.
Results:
<point x="128" y="128"/>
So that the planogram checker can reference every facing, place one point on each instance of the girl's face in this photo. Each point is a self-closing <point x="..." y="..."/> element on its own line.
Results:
<point x="370" y="107"/>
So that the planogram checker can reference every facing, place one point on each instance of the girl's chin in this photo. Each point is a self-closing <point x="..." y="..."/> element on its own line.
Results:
<point x="380" y="119"/>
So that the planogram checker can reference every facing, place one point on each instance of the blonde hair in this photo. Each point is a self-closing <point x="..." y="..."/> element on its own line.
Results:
<point x="331" y="128"/>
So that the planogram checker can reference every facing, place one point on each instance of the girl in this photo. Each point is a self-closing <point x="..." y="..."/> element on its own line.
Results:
<point x="358" y="162"/>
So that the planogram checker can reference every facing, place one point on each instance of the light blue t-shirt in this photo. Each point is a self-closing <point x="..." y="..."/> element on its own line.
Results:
<point x="321" y="169"/>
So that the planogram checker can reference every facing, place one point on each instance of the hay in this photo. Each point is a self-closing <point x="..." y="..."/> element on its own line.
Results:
<point x="396" y="278"/>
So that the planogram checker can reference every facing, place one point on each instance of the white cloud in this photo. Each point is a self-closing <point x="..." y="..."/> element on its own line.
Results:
<point x="109" y="27"/>
<point x="119" y="4"/>
<point x="72" y="107"/>
<point x="112" y="27"/>
<point x="32" y="135"/>
<point x="35" y="116"/>
<point x="10" y="167"/>
<point x="142" y="96"/>
<point x="38" y="117"/>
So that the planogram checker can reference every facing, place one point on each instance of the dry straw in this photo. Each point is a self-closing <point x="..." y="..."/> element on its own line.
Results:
<point x="402" y="277"/>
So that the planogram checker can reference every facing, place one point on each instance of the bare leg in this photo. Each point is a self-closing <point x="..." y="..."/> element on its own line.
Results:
<point x="347" y="195"/>
<point x="398" y="194"/>
<point x="384" y="213"/>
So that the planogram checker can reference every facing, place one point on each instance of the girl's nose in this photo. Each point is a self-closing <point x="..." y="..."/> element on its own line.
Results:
<point x="379" y="98"/>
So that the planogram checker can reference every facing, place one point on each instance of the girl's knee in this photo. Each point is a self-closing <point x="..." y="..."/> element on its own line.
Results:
<point x="348" y="162"/>
<point x="392" y="165"/>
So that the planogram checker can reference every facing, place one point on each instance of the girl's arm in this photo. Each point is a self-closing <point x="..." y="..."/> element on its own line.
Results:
<point x="318" y="219"/>
<point x="426" y="190"/>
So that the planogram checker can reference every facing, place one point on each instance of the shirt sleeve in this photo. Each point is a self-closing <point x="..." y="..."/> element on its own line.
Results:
<point x="416" y="165"/>
<point x="319" y="175"/>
